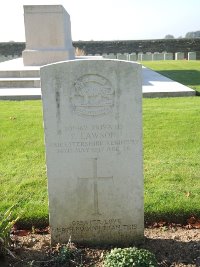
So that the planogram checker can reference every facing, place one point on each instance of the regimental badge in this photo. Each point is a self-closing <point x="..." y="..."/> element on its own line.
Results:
<point x="92" y="95"/>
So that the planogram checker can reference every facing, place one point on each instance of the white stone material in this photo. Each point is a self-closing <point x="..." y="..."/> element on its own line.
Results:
<point x="111" y="56"/>
<point x="93" y="134"/>
<point x="48" y="35"/>
<point x="140" y="56"/>
<point x="179" y="56"/>
<point x="154" y="85"/>
<point x="121" y="56"/>
<point x="157" y="85"/>
<point x="192" y="56"/>
<point x="157" y="56"/>
<point x="168" y="56"/>
<point x="104" y="55"/>
<point x="147" y="57"/>
<point x="133" y="57"/>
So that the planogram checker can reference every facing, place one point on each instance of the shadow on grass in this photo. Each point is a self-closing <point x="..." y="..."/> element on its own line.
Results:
<point x="178" y="217"/>
<point x="187" y="77"/>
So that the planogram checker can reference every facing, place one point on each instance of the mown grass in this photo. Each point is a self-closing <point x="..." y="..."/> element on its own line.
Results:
<point x="22" y="162"/>
<point x="171" y="160"/>
<point x="183" y="71"/>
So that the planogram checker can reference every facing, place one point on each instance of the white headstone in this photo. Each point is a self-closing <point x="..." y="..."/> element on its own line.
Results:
<point x="133" y="57"/>
<point x="93" y="134"/>
<point x="192" y="55"/>
<point x="147" y="57"/>
<point x="168" y="56"/>
<point x="111" y="56"/>
<point x="179" y="56"/>
<point x="121" y="56"/>
<point x="157" y="56"/>
<point x="140" y="56"/>
<point x="48" y="35"/>
<point x="104" y="55"/>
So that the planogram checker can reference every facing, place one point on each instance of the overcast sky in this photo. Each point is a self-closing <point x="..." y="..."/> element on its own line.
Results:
<point x="110" y="19"/>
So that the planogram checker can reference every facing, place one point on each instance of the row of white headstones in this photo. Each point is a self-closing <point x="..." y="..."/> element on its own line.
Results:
<point x="134" y="56"/>
<point x="150" y="56"/>
<point x="92" y="110"/>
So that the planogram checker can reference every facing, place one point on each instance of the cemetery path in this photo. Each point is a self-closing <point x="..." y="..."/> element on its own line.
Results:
<point x="174" y="246"/>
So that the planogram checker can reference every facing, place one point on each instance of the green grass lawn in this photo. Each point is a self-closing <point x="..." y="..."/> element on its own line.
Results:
<point x="183" y="71"/>
<point x="171" y="159"/>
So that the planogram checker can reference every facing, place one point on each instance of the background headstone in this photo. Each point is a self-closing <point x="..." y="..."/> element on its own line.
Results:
<point x="192" y="56"/>
<point x="104" y="55"/>
<point x="122" y="56"/>
<point x="179" y="56"/>
<point x="133" y="57"/>
<point x="168" y="56"/>
<point x="140" y="56"/>
<point x="146" y="56"/>
<point x="93" y="134"/>
<point x="48" y="35"/>
<point x="110" y="56"/>
<point x="157" y="56"/>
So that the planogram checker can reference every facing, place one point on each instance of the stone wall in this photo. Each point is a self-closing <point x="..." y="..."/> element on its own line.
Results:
<point x="163" y="45"/>
<point x="11" y="49"/>
<point x="99" y="47"/>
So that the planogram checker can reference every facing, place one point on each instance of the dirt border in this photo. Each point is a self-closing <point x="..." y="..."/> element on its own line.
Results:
<point x="173" y="246"/>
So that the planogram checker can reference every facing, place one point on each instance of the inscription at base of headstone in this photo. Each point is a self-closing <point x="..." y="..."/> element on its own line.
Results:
<point x="93" y="135"/>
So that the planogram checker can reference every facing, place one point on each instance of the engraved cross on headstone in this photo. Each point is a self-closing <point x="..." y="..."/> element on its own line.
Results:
<point x="95" y="179"/>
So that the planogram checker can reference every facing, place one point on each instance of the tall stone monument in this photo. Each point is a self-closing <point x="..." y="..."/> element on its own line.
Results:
<point x="93" y="133"/>
<point x="48" y="35"/>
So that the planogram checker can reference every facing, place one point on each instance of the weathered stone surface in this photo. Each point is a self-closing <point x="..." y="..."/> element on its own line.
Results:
<point x="168" y="56"/>
<point x="110" y="56"/>
<point x="192" y="56"/>
<point x="48" y="35"/>
<point x="179" y="56"/>
<point x="158" y="56"/>
<point x="147" y="56"/>
<point x="93" y="135"/>
<point x="133" y="57"/>
<point x="122" y="56"/>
